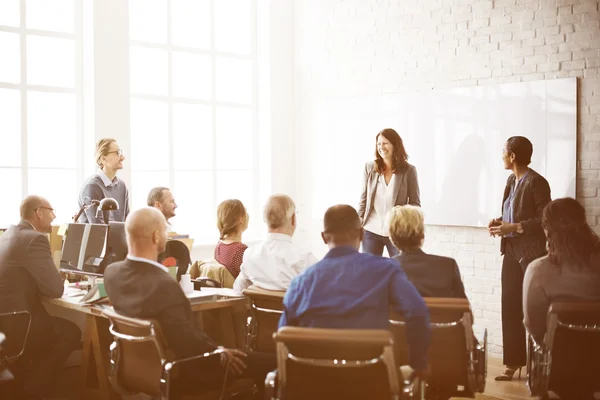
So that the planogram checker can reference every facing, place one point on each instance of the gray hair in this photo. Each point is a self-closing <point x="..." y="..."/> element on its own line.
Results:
<point x="156" y="194"/>
<point x="279" y="209"/>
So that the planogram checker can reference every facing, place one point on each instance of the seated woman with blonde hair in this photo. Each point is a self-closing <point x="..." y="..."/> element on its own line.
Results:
<point x="433" y="276"/>
<point x="232" y="221"/>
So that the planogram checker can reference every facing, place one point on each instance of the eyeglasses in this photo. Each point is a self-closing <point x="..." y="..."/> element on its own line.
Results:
<point x="46" y="208"/>
<point x="119" y="152"/>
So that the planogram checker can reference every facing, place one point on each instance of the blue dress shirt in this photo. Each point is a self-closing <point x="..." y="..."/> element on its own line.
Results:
<point x="352" y="290"/>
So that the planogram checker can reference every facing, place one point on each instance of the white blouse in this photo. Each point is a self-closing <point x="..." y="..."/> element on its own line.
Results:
<point x="384" y="201"/>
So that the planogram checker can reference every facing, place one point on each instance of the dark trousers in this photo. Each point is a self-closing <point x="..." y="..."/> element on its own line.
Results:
<point x="374" y="244"/>
<point x="206" y="375"/>
<point x="50" y="342"/>
<point x="513" y="330"/>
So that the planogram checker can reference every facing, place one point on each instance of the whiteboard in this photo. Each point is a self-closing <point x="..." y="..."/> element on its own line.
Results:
<point x="454" y="138"/>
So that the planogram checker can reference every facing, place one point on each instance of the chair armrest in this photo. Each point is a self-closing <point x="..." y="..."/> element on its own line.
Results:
<point x="270" y="385"/>
<point x="198" y="357"/>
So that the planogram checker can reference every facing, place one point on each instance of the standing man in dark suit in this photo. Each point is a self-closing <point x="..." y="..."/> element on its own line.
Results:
<point x="27" y="272"/>
<point x="432" y="275"/>
<point x="140" y="287"/>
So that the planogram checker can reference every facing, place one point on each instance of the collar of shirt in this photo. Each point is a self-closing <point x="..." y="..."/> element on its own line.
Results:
<point x="413" y="251"/>
<point x="105" y="179"/>
<point x="279" y="236"/>
<point x="30" y="224"/>
<point x="340" y="251"/>
<point x="145" y="260"/>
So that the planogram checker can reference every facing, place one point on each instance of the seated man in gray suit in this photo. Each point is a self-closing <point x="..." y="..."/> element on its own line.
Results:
<point x="433" y="276"/>
<point x="28" y="273"/>
<point x="140" y="287"/>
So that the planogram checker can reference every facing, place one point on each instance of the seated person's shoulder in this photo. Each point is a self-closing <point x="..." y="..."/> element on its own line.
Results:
<point x="378" y="261"/>
<point x="441" y="259"/>
<point x="539" y="263"/>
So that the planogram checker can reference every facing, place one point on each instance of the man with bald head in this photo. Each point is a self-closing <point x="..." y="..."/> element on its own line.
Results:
<point x="273" y="263"/>
<point x="140" y="287"/>
<point x="28" y="273"/>
<point x="353" y="290"/>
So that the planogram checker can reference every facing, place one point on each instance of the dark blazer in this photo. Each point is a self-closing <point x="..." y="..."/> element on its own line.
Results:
<point x="533" y="194"/>
<point x="433" y="276"/>
<point x="142" y="290"/>
<point x="406" y="189"/>
<point x="27" y="272"/>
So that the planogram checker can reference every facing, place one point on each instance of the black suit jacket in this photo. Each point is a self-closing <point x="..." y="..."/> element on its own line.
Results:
<point x="433" y="276"/>
<point x="27" y="270"/>
<point x="531" y="197"/>
<point x="142" y="290"/>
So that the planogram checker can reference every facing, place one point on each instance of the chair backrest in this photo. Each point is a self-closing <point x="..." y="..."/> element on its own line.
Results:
<point x="452" y="351"/>
<point x="180" y="252"/>
<point x="137" y="356"/>
<point x="213" y="270"/>
<point x="15" y="326"/>
<point x="335" y="363"/>
<point x="266" y="309"/>
<point x="573" y="342"/>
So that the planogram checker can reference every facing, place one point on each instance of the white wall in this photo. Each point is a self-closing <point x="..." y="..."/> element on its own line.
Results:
<point x="359" y="47"/>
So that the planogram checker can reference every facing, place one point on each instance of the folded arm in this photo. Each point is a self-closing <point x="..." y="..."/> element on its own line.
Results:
<point x="181" y="334"/>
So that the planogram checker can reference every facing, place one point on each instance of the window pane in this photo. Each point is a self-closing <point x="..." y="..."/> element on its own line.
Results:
<point x="55" y="15"/>
<point x="149" y="135"/>
<point x="10" y="126"/>
<point x="44" y="182"/>
<point x="9" y="13"/>
<point x="149" y="71"/>
<point x="50" y="61"/>
<point x="233" y="25"/>
<point x="234" y="80"/>
<point x="10" y="66"/>
<point x="11" y="199"/>
<point x="192" y="137"/>
<point x="142" y="182"/>
<point x="192" y="75"/>
<point x="234" y="138"/>
<point x="51" y="130"/>
<point x="190" y="25"/>
<point x="239" y="185"/>
<point x="148" y="20"/>
<point x="196" y="213"/>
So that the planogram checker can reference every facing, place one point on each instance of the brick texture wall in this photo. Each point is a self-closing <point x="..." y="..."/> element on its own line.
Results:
<point x="350" y="47"/>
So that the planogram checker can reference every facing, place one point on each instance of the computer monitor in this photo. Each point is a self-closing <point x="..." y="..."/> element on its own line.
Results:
<point x="116" y="243"/>
<point x="84" y="249"/>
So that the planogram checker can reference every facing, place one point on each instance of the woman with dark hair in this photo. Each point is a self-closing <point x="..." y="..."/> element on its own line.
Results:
<point x="523" y="240"/>
<point x="570" y="271"/>
<point x="388" y="181"/>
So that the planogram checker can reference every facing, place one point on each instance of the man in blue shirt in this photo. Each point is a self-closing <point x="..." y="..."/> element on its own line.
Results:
<point x="352" y="290"/>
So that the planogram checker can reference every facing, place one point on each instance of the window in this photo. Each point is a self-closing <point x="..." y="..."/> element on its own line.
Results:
<point x="40" y="90"/>
<point x="193" y="81"/>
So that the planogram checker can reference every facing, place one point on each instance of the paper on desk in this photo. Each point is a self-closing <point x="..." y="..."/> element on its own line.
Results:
<point x="71" y="292"/>
<point x="222" y="292"/>
<point x="198" y="295"/>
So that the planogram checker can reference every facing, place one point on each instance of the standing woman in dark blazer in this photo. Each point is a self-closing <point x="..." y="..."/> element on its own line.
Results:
<point x="388" y="181"/>
<point x="523" y="240"/>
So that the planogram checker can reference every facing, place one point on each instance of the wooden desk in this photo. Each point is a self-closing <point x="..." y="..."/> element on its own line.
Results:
<point x="97" y="339"/>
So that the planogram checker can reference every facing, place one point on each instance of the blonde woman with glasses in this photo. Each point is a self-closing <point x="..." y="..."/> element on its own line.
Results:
<point x="105" y="183"/>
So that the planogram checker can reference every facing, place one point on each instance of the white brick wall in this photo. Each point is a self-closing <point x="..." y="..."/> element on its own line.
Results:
<point x="381" y="46"/>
